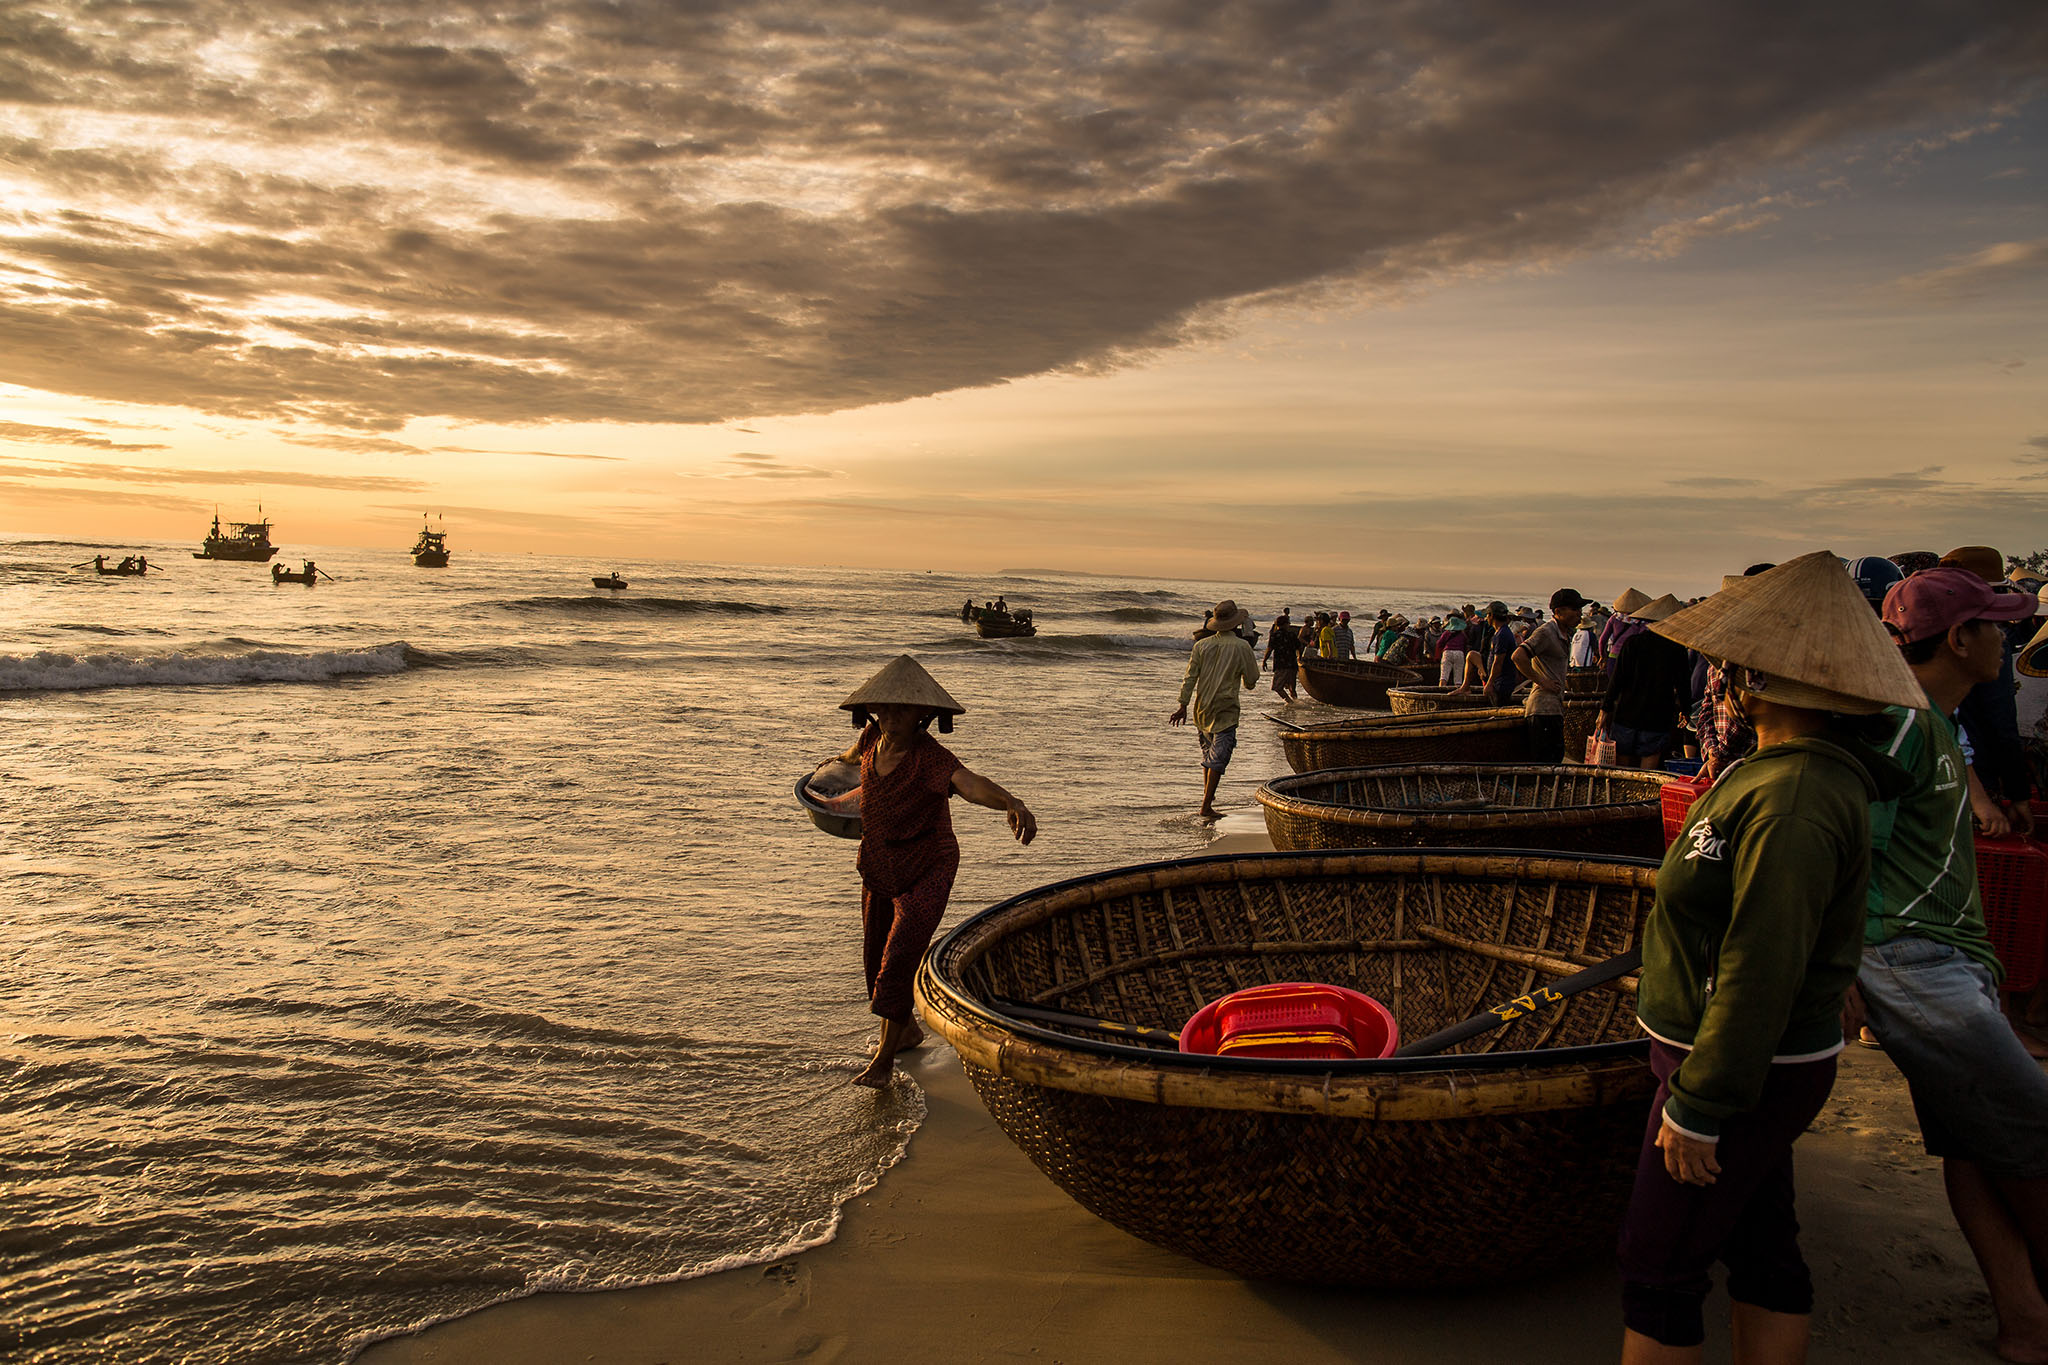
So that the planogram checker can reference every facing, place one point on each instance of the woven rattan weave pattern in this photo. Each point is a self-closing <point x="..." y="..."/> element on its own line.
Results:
<point x="1492" y="735"/>
<point x="1405" y="1173"/>
<point x="1419" y="700"/>
<point x="1571" y="809"/>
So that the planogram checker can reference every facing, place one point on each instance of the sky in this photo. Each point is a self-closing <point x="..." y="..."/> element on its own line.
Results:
<point x="1482" y="295"/>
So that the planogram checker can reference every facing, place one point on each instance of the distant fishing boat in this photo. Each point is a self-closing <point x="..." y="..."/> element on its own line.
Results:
<point x="992" y="624"/>
<point x="430" y="551"/>
<point x="134" y="566"/>
<point x="612" y="581"/>
<point x="246" y="541"/>
<point x="280" y="574"/>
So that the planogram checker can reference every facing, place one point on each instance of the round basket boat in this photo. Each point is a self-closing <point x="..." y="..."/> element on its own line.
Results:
<point x="1357" y="683"/>
<point x="1404" y="1172"/>
<point x="1418" y="700"/>
<point x="1584" y="690"/>
<point x="1488" y="735"/>
<point x="1568" y="809"/>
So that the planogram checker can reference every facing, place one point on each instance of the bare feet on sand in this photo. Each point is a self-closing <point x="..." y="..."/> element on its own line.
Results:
<point x="1207" y="813"/>
<point x="898" y="1035"/>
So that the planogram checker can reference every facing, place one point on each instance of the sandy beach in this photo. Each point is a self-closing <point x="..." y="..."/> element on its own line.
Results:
<point x="966" y="1252"/>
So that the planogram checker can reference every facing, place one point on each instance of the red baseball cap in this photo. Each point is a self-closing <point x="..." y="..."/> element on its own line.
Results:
<point x="1928" y="603"/>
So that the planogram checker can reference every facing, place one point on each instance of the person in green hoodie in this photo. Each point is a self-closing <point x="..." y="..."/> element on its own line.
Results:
<point x="1749" y="950"/>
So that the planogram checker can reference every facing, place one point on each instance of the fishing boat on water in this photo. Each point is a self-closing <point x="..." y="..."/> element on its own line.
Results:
<point x="430" y="551"/>
<point x="996" y="623"/>
<point x="134" y="566"/>
<point x="280" y="574"/>
<point x="245" y="541"/>
<point x="611" y="581"/>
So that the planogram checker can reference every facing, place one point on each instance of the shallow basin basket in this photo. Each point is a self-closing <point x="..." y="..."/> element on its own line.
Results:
<point x="1572" y="809"/>
<point x="1396" y="1172"/>
<point x="1490" y="735"/>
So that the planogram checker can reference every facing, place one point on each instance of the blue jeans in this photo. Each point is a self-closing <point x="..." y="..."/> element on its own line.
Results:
<point x="1978" y="1094"/>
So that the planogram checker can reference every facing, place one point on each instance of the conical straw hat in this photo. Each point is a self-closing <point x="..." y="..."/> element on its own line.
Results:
<point x="903" y="682"/>
<point x="1806" y="626"/>
<point x="1631" y="602"/>
<point x="1667" y="605"/>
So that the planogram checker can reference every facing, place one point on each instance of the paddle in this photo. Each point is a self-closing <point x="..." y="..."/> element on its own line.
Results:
<point x="1287" y="723"/>
<point x="324" y="574"/>
<point x="1156" y="1035"/>
<point x="86" y="565"/>
<point x="1543" y="997"/>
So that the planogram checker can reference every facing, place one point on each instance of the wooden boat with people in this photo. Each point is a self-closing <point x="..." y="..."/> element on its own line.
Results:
<point x="430" y="551"/>
<point x="1360" y="684"/>
<point x="1004" y="625"/>
<point x="247" y="542"/>
<point x="1397" y="1172"/>
<point x="280" y="574"/>
<point x="132" y="566"/>
<point x="1568" y="809"/>
<point x="1488" y="735"/>
<point x="611" y="581"/>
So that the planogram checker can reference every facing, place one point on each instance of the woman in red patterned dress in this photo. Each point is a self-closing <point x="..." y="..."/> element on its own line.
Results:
<point x="908" y="854"/>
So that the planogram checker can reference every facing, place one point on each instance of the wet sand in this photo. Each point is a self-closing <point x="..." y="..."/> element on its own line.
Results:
<point x="965" y="1252"/>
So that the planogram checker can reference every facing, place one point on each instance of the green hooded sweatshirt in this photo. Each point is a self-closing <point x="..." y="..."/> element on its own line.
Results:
<point x="1758" y="927"/>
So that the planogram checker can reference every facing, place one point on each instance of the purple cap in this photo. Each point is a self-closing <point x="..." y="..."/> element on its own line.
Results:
<point x="1928" y="603"/>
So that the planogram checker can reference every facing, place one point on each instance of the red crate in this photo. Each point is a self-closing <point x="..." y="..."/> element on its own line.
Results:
<point x="1293" y="1019"/>
<point x="1677" y="797"/>
<point x="2012" y="877"/>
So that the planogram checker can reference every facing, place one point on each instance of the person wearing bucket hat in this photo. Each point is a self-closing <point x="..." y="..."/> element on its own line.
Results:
<point x="1749" y="950"/>
<point x="1216" y="665"/>
<point x="1928" y="988"/>
<point x="908" y="854"/>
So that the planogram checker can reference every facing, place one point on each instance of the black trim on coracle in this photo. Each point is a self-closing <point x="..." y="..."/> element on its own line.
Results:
<point x="1189" y="1061"/>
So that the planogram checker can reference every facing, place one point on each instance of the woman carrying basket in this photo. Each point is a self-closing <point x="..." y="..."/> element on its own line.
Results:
<point x="908" y="854"/>
<point x="1753" y="942"/>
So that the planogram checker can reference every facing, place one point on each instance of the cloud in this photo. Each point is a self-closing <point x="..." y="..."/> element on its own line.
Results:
<point x="66" y="436"/>
<point x="1714" y="481"/>
<point x="2038" y="445"/>
<point x="1983" y="269"/>
<point x="352" y="216"/>
<point x="751" y="465"/>
<point x="224" y="478"/>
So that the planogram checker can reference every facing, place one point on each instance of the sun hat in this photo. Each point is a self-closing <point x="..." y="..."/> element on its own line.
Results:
<point x="2027" y="579"/>
<point x="1631" y="601"/>
<point x="2031" y="658"/>
<point x="903" y="682"/>
<point x="1980" y="560"/>
<point x="1658" y="609"/>
<point x="1800" y="634"/>
<point x="1226" y="617"/>
<point x="1931" y="601"/>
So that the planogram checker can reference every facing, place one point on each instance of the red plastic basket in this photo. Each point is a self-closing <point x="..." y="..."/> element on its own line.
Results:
<point x="1293" y="1019"/>
<point x="1677" y="797"/>
<point x="2012" y="877"/>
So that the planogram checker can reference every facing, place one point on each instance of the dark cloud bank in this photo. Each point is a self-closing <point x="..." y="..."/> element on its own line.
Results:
<point x="697" y="212"/>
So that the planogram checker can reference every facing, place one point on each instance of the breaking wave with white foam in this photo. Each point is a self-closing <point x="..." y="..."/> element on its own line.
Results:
<point x="53" y="671"/>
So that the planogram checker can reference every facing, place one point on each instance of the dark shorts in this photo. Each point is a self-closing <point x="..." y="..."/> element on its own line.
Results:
<point x="1546" y="739"/>
<point x="1630" y="742"/>
<point x="1217" y="748"/>
<point x="1674" y="1233"/>
<point x="1284" y="677"/>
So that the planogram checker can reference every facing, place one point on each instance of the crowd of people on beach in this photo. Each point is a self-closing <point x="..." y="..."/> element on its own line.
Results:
<point x="1861" y="722"/>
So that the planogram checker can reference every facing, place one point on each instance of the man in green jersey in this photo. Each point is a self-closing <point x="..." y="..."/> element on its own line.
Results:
<point x="1929" y="979"/>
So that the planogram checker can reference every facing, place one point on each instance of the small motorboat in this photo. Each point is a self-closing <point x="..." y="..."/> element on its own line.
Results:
<point x="612" y="581"/>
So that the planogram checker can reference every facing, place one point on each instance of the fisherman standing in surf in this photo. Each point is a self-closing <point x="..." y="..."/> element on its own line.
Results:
<point x="908" y="855"/>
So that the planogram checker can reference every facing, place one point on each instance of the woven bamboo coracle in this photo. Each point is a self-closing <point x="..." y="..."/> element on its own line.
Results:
<point x="1583" y="690"/>
<point x="1357" y="683"/>
<point x="1569" y="809"/>
<point x="1420" y="700"/>
<point x="1408" y="1172"/>
<point x="1487" y="735"/>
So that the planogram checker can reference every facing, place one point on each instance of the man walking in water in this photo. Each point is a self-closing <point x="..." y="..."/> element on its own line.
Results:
<point x="1216" y="666"/>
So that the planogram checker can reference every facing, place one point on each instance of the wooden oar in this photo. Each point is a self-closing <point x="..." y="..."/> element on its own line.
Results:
<point x="323" y="573"/>
<point x="1082" y="1021"/>
<point x="1543" y="997"/>
<point x="1287" y="723"/>
<point x="87" y="564"/>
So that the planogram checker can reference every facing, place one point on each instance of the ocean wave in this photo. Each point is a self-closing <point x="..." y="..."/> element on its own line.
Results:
<point x="1143" y="614"/>
<point x="641" y="606"/>
<point x="1093" y="644"/>
<point x="51" y="671"/>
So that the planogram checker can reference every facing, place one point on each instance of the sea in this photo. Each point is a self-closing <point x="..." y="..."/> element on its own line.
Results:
<point x="383" y="949"/>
